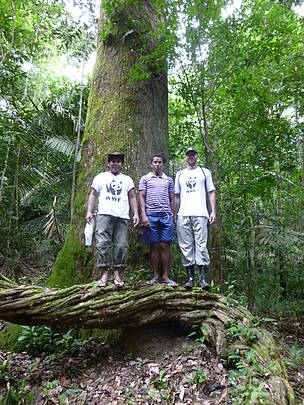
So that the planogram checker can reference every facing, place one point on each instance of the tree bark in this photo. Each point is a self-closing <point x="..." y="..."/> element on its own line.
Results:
<point x="91" y="307"/>
<point x="127" y="112"/>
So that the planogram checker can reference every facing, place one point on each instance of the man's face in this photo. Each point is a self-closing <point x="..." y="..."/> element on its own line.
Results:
<point x="191" y="158"/>
<point x="115" y="165"/>
<point x="157" y="165"/>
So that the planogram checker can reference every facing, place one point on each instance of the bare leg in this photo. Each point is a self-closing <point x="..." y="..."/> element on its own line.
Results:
<point x="165" y="259"/>
<point x="154" y="255"/>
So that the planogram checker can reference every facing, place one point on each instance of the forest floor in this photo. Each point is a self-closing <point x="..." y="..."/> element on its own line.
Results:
<point x="155" y="365"/>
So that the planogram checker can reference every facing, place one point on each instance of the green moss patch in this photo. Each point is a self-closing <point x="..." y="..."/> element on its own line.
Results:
<point x="9" y="337"/>
<point x="71" y="266"/>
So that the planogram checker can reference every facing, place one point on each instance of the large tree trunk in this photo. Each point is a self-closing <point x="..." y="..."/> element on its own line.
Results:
<point x="227" y="326"/>
<point x="128" y="112"/>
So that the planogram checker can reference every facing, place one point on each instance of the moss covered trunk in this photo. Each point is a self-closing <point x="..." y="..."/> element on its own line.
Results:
<point x="128" y="112"/>
<point x="227" y="326"/>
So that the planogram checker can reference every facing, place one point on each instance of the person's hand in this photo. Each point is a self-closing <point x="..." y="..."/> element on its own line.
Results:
<point x="89" y="217"/>
<point x="145" y="220"/>
<point x="212" y="217"/>
<point x="174" y="219"/>
<point x="135" y="220"/>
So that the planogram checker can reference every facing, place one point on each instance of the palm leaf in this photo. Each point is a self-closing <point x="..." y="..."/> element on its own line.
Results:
<point x="63" y="145"/>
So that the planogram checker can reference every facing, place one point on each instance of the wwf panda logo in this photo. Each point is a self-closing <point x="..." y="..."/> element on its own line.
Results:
<point x="114" y="187"/>
<point x="191" y="183"/>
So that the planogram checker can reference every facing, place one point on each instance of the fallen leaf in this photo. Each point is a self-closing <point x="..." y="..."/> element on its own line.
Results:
<point x="63" y="381"/>
<point x="178" y="369"/>
<point x="181" y="392"/>
<point x="153" y="368"/>
<point x="117" y="380"/>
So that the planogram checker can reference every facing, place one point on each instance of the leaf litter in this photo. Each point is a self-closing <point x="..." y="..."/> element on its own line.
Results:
<point x="160" y="368"/>
<point x="152" y="367"/>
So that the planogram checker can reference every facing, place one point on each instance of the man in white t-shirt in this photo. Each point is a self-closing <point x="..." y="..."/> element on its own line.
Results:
<point x="116" y="195"/>
<point x="191" y="186"/>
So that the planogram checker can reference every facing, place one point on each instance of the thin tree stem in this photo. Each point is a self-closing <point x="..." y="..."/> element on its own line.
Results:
<point x="77" y="142"/>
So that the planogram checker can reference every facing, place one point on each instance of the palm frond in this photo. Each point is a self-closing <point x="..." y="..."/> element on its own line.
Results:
<point x="51" y="228"/>
<point x="63" y="145"/>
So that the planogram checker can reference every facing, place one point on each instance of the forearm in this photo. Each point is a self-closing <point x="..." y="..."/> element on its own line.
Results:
<point x="212" y="199"/>
<point x="133" y="204"/>
<point x="172" y="203"/>
<point x="91" y="203"/>
<point x="142" y="203"/>
<point x="176" y="203"/>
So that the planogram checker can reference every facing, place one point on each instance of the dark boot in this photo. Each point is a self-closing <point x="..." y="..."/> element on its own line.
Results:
<point x="202" y="278"/>
<point x="190" y="272"/>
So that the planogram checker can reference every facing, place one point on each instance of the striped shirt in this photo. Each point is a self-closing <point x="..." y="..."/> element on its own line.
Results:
<point x="158" y="190"/>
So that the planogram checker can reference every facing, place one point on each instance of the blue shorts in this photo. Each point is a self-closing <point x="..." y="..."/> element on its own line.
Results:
<point x="161" y="228"/>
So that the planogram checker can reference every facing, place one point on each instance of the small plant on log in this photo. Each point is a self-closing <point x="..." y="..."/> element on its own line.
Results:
<point x="245" y="366"/>
<point x="295" y="356"/>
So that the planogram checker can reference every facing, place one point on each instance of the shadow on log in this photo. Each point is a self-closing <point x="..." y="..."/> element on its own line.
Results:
<point x="227" y="326"/>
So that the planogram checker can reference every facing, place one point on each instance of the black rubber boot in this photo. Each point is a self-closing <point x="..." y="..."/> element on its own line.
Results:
<point x="202" y="278"/>
<point x="190" y="272"/>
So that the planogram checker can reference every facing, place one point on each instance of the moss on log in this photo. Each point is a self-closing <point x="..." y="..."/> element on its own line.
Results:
<point x="227" y="326"/>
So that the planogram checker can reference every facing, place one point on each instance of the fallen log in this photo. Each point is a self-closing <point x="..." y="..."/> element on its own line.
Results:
<point x="230" y="328"/>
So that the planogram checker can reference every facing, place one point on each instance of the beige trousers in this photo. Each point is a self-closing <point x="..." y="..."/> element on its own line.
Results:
<point x="192" y="234"/>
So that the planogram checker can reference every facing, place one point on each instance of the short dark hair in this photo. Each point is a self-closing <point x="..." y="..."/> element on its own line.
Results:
<point x="161" y="155"/>
<point x="116" y="155"/>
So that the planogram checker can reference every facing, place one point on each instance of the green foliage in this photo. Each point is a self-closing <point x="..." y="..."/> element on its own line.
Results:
<point x="295" y="356"/>
<point x="198" y="333"/>
<point x="236" y="331"/>
<point x="239" y="78"/>
<point x="246" y="370"/>
<point x="116" y="11"/>
<point x="39" y="339"/>
<point x="43" y="339"/>
<point x="67" y="393"/>
<point x="250" y="393"/>
<point x="161" y="383"/>
<point x="35" y="338"/>
<point x="37" y="105"/>
<point x="235" y="93"/>
<point x="18" y="393"/>
<point x="197" y="376"/>
<point x="4" y="373"/>
<point x="151" y="34"/>
<point x="246" y="387"/>
<point x="49" y="386"/>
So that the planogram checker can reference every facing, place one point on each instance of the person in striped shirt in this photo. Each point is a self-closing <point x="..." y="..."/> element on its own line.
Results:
<point x="156" y="198"/>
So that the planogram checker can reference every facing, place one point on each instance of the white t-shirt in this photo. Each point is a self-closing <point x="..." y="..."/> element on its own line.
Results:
<point x="190" y="184"/>
<point x="113" y="194"/>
